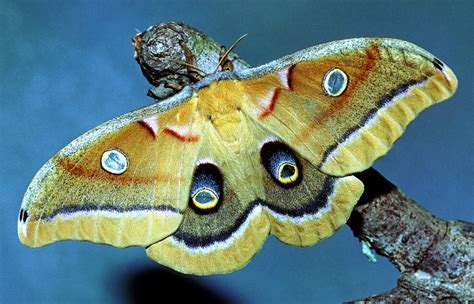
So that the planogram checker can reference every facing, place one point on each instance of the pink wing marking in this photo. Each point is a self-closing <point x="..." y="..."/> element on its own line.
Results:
<point x="151" y="124"/>
<point x="268" y="103"/>
<point x="285" y="77"/>
<point x="183" y="133"/>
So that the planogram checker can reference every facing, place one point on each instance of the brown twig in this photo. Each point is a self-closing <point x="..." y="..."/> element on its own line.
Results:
<point x="160" y="49"/>
<point x="435" y="257"/>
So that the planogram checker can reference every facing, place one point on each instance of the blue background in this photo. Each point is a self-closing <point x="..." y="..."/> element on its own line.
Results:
<point x="66" y="67"/>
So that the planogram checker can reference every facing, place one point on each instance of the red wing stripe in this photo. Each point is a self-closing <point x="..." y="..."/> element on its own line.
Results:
<point x="270" y="106"/>
<point x="290" y="77"/>
<point x="151" y="125"/>
<point x="181" y="137"/>
<point x="74" y="169"/>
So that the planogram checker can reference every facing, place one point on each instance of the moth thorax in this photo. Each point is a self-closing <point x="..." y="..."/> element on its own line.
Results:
<point x="229" y="128"/>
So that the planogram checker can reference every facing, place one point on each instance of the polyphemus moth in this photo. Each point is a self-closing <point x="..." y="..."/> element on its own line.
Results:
<point x="202" y="178"/>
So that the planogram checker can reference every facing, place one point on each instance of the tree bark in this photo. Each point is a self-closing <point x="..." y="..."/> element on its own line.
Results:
<point x="166" y="52"/>
<point x="435" y="257"/>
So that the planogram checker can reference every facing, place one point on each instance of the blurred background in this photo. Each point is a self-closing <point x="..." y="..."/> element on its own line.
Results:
<point x="67" y="66"/>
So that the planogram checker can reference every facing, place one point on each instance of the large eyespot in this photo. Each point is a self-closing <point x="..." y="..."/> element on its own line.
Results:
<point x="281" y="163"/>
<point x="206" y="189"/>
<point x="114" y="161"/>
<point x="335" y="82"/>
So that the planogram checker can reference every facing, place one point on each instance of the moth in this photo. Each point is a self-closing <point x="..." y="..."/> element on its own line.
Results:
<point x="204" y="177"/>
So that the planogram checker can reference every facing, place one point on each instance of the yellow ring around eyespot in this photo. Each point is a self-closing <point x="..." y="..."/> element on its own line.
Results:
<point x="326" y="78"/>
<point x="210" y="205"/>
<point x="290" y="179"/>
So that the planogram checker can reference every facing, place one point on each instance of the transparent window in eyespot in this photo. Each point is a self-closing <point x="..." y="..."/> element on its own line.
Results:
<point x="115" y="161"/>
<point x="335" y="82"/>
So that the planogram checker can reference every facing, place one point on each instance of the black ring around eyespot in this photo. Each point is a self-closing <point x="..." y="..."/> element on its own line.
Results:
<point x="276" y="154"/>
<point x="207" y="180"/>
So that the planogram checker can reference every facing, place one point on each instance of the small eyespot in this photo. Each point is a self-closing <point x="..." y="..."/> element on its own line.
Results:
<point x="281" y="163"/>
<point x="206" y="189"/>
<point x="114" y="161"/>
<point x="205" y="199"/>
<point x="335" y="82"/>
<point x="287" y="173"/>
